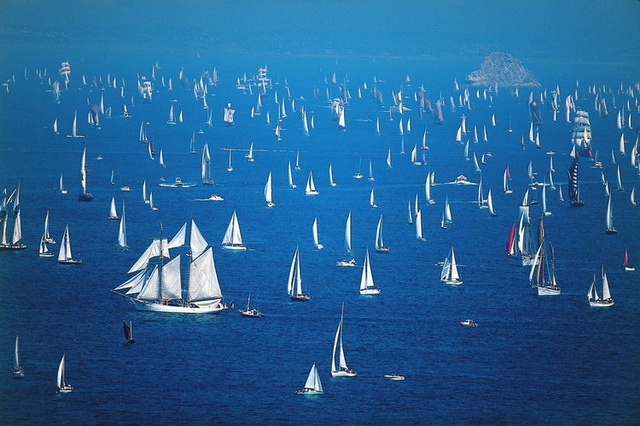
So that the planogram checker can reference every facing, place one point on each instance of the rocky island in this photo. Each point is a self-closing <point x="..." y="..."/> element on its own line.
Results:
<point x="504" y="70"/>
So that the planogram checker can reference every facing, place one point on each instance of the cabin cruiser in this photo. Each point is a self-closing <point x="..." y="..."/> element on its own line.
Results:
<point x="214" y="197"/>
<point x="345" y="262"/>
<point x="469" y="323"/>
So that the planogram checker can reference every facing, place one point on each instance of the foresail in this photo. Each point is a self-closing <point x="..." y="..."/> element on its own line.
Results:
<point x="203" y="279"/>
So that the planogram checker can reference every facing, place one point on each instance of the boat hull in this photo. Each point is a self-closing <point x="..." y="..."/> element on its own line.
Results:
<point x="370" y="291"/>
<point x="19" y="246"/>
<point x="343" y="373"/>
<point x="191" y="309"/>
<point x="548" y="291"/>
<point x="236" y="247"/>
<point x="601" y="303"/>
<point x="309" y="392"/>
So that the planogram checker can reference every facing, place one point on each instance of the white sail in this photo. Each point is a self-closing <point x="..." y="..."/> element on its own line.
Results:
<point x="113" y="214"/>
<point x="16" y="357"/>
<point x="233" y="237"/>
<point x="341" y="369"/>
<point x="314" y="230"/>
<point x="389" y="158"/>
<point x="313" y="381"/>
<point x="17" y="229"/>
<point x="65" y="247"/>
<point x="290" y="175"/>
<point x="606" y="293"/>
<point x="268" y="193"/>
<point x="310" y="188"/>
<point x="122" y="230"/>
<point x="83" y="171"/>
<point x="203" y="279"/>
<point x="197" y="243"/>
<point x="347" y="234"/>
<point x="164" y="282"/>
<point x="294" y="282"/>
<point x="418" y="224"/>
<point x="331" y="181"/>
<point x="205" y="166"/>
<point x="490" y="203"/>
<point x="447" y="211"/>
<point x="60" y="377"/>
<point x="372" y="199"/>
<point x="367" y="285"/>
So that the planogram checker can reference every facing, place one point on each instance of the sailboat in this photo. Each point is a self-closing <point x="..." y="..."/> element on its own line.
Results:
<point x="128" y="332"/>
<point x="610" y="230"/>
<point x="367" y="286"/>
<point x="294" y="283"/>
<point x="249" y="156"/>
<point x="43" y="249"/>
<point x="63" y="387"/>
<point x="625" y="263"/>
<point x="113" y="215"/>
<point x="447" y="217"/>
<point x="380" y="247"/>
<point x="372" y="199"/>
<point x="16" y="238"/>
<point x="229" y="164"/>
<point x="418" y="222"/>
<point x="450" y="274"/>
<point x="290" y="175"/>
<point x="64" y="255"/>
<point x="310" y="188"/>
<point x="312" y="386"/>
<point x="232" y="237"/>
<point x="18" y="372"/>
<point x="542" y="276"/>
<point x="574" y="189"/>
<point x="268" y="193"/>
<point x="157" y="283"/>
<point x="341" y="369"/>
<point x="331" y="181"/>
<point x="492" y="210"/>
<point x="592" y="295"/>
<point x="62" y="190"/>
<point x="205" y="166"/>
<point x="506" y="177"/>
<point x="122" y="231"/>
<point x="297" y="165"/>
<point x="84" y="195"/>
<point x="314" y="230"/>
<point x="251" y="312"/>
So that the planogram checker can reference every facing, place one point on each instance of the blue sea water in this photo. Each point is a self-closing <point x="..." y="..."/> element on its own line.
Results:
<point x="531" y="360"/>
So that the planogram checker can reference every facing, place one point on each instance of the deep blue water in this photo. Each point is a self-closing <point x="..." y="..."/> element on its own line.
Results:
<point x="531" y="360"/>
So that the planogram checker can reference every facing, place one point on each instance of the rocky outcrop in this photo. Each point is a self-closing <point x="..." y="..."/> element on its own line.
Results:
<point x="504" y="70"/>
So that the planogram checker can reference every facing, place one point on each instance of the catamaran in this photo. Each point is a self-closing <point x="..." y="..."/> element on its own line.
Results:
<point x="294" y="283"/>
<point x="341" y="369"/>
<point x="450" y="274"/>
<point x="592" y="296"/>
<point x="18" y="372"/>
<point x="312" y="386"/>
<point x="233" y="238"/>
<point x="157" y="284"/>
<point x="63" y="387"/>
<point x="367" y="286"/>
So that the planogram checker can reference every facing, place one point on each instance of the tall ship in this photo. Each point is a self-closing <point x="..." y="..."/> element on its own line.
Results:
<point x="581" y="134"/>
<point x="159" y="284"/>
